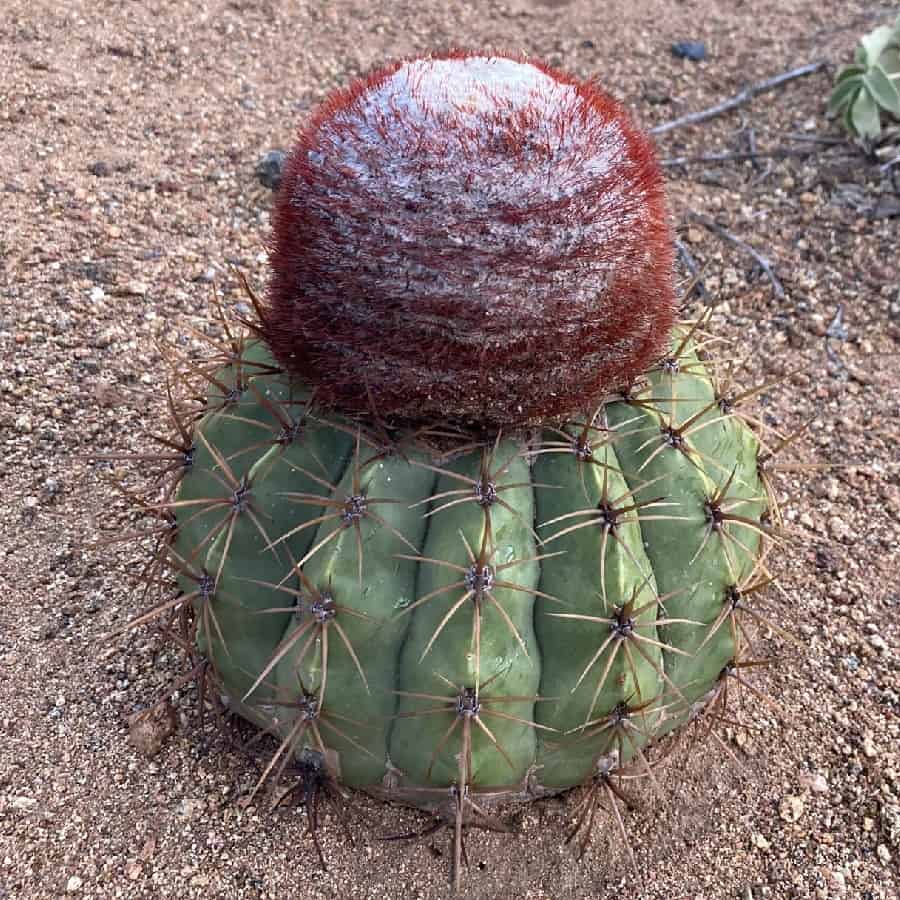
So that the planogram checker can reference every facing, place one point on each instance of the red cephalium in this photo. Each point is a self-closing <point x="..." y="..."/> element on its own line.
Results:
<point x="472" y="237"/>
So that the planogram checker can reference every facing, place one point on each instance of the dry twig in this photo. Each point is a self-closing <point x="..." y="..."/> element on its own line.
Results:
<point x="739" y="99"/>
<point x="763" y="263"/>
<point x="735" y="156"/>
<point x="691" y="265"/>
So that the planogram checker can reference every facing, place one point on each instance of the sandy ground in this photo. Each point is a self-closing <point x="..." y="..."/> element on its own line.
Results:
<point x="128" y="141"/>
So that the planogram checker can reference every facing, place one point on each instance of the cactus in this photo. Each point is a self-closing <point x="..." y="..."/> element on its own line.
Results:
<point x="464" y="517"/>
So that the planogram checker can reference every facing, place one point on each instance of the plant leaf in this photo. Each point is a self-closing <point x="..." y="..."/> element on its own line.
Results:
<point x="848" y="119"/>
<point x="844" y="94"/>
<point x="890" y="62"/>
<point x="865" y="116"/>
<point x="849" y="72"/>
<point x="883" y="90"/>
<point x="876" y="42"/>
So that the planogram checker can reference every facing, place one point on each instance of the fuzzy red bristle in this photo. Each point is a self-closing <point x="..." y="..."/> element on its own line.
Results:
<point x="470" y="236"/>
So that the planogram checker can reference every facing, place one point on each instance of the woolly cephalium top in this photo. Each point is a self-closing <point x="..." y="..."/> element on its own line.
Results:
<point x="470" y="237"/>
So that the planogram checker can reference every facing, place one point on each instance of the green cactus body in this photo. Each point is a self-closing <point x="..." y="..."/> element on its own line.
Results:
<point x="513" y="617"/>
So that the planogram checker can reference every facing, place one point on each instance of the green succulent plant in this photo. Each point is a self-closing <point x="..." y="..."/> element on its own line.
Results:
<point x="869" y="88"/>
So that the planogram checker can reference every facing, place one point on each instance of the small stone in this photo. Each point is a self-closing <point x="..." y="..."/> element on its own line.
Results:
<point x="96" y="294"/>
<point x="62" y="323"/>
<point x="100" y="169"/>
<point x="694" y="235"/>
<point x="837" y="882"/>
<point x="23" y="804"/>
<point x="869" y="750"/>
<point x="24" y="424"/>
<point x="838" y="528"/>
<point x="136" y="288"/>
<point x="656" y="93"/>
<point x="190" y="808"/>
<point x="268" y="169"/>
<point x="878" y="642"/>
<point x="695" y="51"/>
<point x="151" y="728"/>
<point x="817" y="783"/>
<point x="207" y="276"/>
<point x="790" y="809"/>
<point x="73" y="885"/>
<point x="884" y="855"/>
<point x="760" y="842"/>
<point x="133" y="870"/>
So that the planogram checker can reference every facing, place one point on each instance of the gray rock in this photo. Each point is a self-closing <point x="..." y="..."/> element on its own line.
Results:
<point x="268" y="169"/>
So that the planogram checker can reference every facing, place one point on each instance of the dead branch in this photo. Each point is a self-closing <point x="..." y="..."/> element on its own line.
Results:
<point x="761" y="261"/>
<point x="691" y="265"/>
<point x="745" y="96"/>
<point x="735" y="156"/>
<point x="817" y="139"/>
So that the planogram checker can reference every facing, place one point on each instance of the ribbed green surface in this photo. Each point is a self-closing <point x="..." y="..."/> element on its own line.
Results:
<point x="363" y="594"/>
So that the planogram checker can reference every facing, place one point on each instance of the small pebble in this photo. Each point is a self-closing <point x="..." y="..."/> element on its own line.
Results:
<point x="838" y="528"/>
<point x="268" y="169"/>
<point x="150" y="729"/>
<point x="817" y="783"/>
<point x="760" y="842"/>
<point x="206" y="276"/>
<point x="695" y="51"/>
<point x="790" y="809"/>
<point x="837" y="882"/>
<point x="137" y="288"/>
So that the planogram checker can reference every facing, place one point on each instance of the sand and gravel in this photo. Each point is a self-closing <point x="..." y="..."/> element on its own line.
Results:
<point x="129" y="135"/>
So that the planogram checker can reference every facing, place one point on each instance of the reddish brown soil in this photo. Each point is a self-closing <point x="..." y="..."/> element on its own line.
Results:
<point x="128" y="140"/>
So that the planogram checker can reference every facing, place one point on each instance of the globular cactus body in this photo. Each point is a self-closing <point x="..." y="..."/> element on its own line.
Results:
<point x="503" y="616"/>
